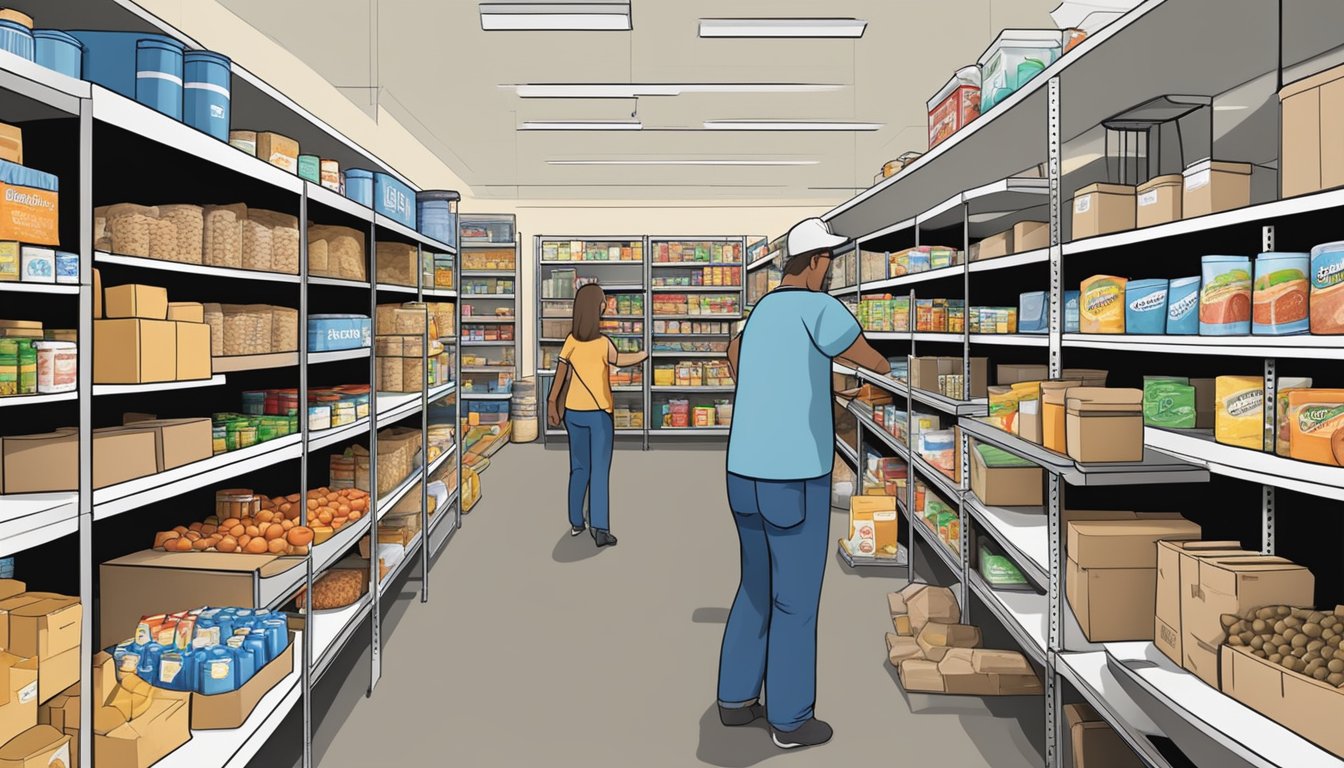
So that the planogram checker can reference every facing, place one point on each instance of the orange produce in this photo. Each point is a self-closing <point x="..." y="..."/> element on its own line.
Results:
<point x="299" y="536"/>
<point x="274" y="531"/>
<point x="255" y="547"/>
<point x="227" y="544"/>
<point x="277" y="546"/>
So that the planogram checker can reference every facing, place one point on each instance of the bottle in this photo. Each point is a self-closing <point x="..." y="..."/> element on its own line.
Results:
<point x="174" y="671"/>
<point x="218" y="675"/>
<point x="260" y="647"/>
<point x="126" y="657"/>
<point x="208" y="631"/>
<point x="148" y="668"/>
<point x="277" y="636"/>
<point x="244" y="663"/>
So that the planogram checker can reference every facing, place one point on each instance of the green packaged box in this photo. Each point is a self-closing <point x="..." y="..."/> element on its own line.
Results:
<point x="310" y="168"/>
<point x="1168" y="402"/>
<point x="999" y="571"/>
<point x="9" y="367"/>
<point x="9" y="261"/>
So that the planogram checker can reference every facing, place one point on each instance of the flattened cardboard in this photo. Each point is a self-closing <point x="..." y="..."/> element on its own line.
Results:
<point x="936" y="638"/>
<point x="921" y="676"/>
<point x="901" y="648"/>
<point x="933" y="604"/>
<point x="902" y="625"/>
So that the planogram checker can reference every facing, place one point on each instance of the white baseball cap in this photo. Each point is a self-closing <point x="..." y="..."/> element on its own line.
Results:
<point x="813" y="235"/>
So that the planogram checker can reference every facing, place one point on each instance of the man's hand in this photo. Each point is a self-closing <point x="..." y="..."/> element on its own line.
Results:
<point x="554" y="415"/>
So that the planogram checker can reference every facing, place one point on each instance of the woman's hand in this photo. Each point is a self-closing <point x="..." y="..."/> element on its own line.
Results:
<point x="554" y="415"/>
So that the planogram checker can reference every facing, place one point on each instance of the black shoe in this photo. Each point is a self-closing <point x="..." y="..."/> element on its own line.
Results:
<point x="575" y="530"/>
<point x="736" y="716"/>
<point x="603" y="538"/>
<point x="809" y="734"/>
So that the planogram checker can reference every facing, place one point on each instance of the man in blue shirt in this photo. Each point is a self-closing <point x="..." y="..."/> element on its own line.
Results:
<point x="780" y="453"/>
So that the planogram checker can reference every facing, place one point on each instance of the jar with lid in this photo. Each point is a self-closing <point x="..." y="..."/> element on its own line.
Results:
<point x="236" y="503"/>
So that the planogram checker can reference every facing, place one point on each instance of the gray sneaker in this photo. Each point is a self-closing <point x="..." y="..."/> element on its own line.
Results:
<point x="603" y="538"/>
<point x="736" y="716"/>
<point x="809" y="734"/>
<point x="575" y="530"/>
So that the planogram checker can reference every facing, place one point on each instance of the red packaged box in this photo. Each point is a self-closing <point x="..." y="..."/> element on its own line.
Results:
<point x="954" y="106"/>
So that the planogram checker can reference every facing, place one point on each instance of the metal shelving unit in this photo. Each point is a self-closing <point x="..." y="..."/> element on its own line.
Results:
<point x="478" y="232"/>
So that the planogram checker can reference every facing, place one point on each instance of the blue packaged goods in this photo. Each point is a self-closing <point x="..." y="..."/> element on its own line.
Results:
<point x="16" y="38"/>
<point x="1280" y="294"/>
<point x="59" y="51"/>
<point x="1327" y="288"/>
<point x="218" y="674"/>
<point x="1225" y="296"/>
<point x="158" y="76"/>
<point x="207" y="86"/>
<point x="67" y="268"/>
<point x="1071" y="320"/>
<point x="394" y="199"/>
<point x="17" y="175"/>
<point x="1032" y="315"/>
<point x="436" y="214"/>
<point x="109" y="58"/>
<point x="1183" y="306"/>
<point x="1146" y="306"/>
<point x="244" y="660"/>
<point x="327" y="333"/>
<point x="359" y="186"/>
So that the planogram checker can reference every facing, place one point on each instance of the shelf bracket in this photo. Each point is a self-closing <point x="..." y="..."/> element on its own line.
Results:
<point x="963" y="528"/>
<point x="1055" y="635"/>
<point x="1056" y="232"/>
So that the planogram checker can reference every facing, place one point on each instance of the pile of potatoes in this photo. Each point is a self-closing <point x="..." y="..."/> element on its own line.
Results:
<point x="1302" y="640"/>
<point x="275" y="530"/>
<point x="329" y="510"/>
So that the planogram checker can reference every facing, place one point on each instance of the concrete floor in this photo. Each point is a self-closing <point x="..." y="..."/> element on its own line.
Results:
<point x="537" y="649"/>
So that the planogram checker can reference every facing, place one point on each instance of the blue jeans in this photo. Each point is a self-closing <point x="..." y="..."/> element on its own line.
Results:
<point x="591" y="435"/>
<point x="771" y="636"/>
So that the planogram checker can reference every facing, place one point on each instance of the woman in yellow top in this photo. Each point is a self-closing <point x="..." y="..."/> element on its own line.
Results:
<point x="583" y="380"/>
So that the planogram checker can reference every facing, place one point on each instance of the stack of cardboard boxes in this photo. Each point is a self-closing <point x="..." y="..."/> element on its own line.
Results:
<point x="39" y="703"/>
<point x="935" y="653"/>
<point x="143" y="341"/>
<point x="1204" y="187"/>
<point x="1024" y="236"/>
<point x="399" y="343"/>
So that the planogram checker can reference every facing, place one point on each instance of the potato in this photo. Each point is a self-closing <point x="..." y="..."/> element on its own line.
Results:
<point x="299" y="536"/>
<point x="182" y="529"/>
<point x="227" y="544"/>
<point x="1298" y="641"/>
<point x="1266" y="613"/>
<point x="256" y="546"/>
<point x="1283" y="610"/>
<point x="243" y="541"/>
<point x="355" y="514"/>
<point x="1276" y="658"/>
<point x="274" y="532"/>
<point x="277" y="546"/>
<point x="265" y="516"/>
<point x="237" y="530"/>
<point x="195" y="527"/>
<point x="1234" y="640"/>
<point x="253" y="531"/>
<point x="1336" y="679"/>
<point x="293" y="497"/>
<point x="209" y="530"/>
<point x="1319" y="673"/>
<point x="1300" y="653"/>
<point x="182" y="544"/>
<point x="163" y="537"/>
<point x="200" y="545"/>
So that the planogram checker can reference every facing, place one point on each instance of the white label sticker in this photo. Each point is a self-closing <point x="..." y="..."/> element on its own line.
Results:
<point x="1198" y="180"/>
<point x="220" y="670"/>
<point x="1082" y="204"/>
<point x="1148" y="198"/>
<point x="28" y="693"/>
<point x="884" y="517"/>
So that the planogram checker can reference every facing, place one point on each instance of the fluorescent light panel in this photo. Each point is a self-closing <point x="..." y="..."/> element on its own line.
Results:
<point x="683" y="162"/>
<point x="558" y="17"/>
<point x="788" y="125"/>
<point x="782" y="27"/>
<point x="634" y="90"/>
<point x="581" y="125"/>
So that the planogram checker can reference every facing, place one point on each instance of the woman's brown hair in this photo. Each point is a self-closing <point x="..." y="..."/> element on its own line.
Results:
<point x="589" y="303"/>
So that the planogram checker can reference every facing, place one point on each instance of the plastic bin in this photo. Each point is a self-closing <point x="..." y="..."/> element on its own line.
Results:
<point x="1014" y="58"/>
<point x="436" y="214"/>
<point x="158" y="75"/>
<point x="58" y="51"/>
<point x="954" y="106"/>
<point x="16" y="38"/>
<point x="393" y="199"/>
<point x="487" y="231"/>
<point x="359" y="186"/>
<point x="329" y="333"/>
<point x="206" y="92"/>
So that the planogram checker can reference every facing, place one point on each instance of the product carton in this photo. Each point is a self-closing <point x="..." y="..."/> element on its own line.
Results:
<point x="1102" y="208"/>
<point x="1007" y="374"/>
<point x="1090" y="377"/>
<point x="398" y="263"/>
<point x="20" y="710"/>
<point x="134" y="351"/>
<point x="278" y="150"/>
<point x="1030" y="236"/>
<point x="875" y="515"/>
<point x="144" y="740"/>
<point x="39" y="747"/>
<point x="1095" y="744"/>
<point x="933" y="604"/>
<point x="177" y="442"/>
<point x="1104" y="424"/>
<point x="1159" y="200"/>
<point x="123" y="453"/>
<point x="1111" y="574"/>
<point x="97" y="295"/>
<point x="147" y="302"/>
<point x="1170" y="557"/>
<point x="41" y="463"/>
<point x="1239" y="418"/>
<point x="149" y="582"/>
<point x="193" y="351"/>
<point x="186" y="311"/>
<point x="1212" y="186"/>
<point x="231" y="710"/>
<point x="996" y="245"/>
<point x="1001" y="479"/>
<point x="1312" y="131"/>
<point x="1233" y="585"/>
<point x="936" y="638"/>
<point x="921" y="676"/>
<point x="978" y="672"/>
<point x="11" y="143"/>
<point x="899" y="648"/>
<point x="924" y="373"/>
<point x="62" y="711"/>
<point x="1311" y="708"/>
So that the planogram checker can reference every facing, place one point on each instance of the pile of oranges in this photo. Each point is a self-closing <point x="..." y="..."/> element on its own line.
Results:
<point x="285" y="525"/>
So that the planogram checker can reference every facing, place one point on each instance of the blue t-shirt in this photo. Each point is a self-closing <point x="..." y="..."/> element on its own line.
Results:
<point x="783" y="427"/>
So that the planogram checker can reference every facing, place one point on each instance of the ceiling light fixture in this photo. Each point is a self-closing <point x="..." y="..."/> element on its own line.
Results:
<point x="635" y="90"/>
<point x="788" y="125"/>
<point x="683" y="162"/>
<point x="845" y="27"/>
<point x="581" y="125"/>
<point x="556" y="17"/>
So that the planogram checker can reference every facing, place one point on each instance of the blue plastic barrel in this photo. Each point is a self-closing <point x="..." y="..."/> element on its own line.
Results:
<point x="206" y="89"/>
<point x="58" y="51"/>
<point x="158" y="75"/>
<point x="359" y="186"/>
<point x="16" y="38"/>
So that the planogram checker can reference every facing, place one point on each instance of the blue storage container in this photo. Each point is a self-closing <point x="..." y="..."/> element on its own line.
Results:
<point x="436" y="214"/>
<point x="1279" y="300"/>
<point x="1071" y="311"/>
<point x="1032" y="312"/>
<point x="110" y="60"/>
<point x="393" y="199"/>
<point x="328" y="333"/>
<point x="158" y="75"/>
<point x="1183" y="306"/>
<point x="1146" y="306"/>
<point x="206" y="83"/>
<point x="16" y="38"/>
<point x="359" y="186"/>
<point x="58" y="51"/>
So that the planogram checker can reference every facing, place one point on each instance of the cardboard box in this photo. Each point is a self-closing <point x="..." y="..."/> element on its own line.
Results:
<point x="1094" y="743"/>
<point x="40" y="463"/>
<point x="899" y="648"/>
<point x="123" y="453"/>
<point x="1111" y="574"/>
<point x="38" y="747"/>
<point x="1233" y="585"/>
<point x="104" y="678"/>
<point x="134" y="351"/>
<point x="193" y="351"/>
<point x="147" y="302"/>
<point x="936" y="638"/>
<point x="12" y="589"/>
<point x="1102" y="208"/>
<point x="62" y="711"/>
<point x="965" y="671"/>
<point x="231" y="710"/>
<point x="933" y="604"/>
<point x="149" y="582"/>
<point x="1170" y="556"/>
<point x="1158" y="200"/>
<point x="97" y="295"/>
<point x="881" y="512"/>
<point x="1311" y="708"/>
<point x="1005" y="484"/>
<point x="398" y="263"/>
<point x="186" y="311"/>
<point x="1007" y="374"/>
<point x="1031" y="236"/>
<point x="1104" y="424"/>
<point x="997" y="245"/>
<point x="20" y="710"/>
<point x="57" y="673"/>
<point x="1312" y="130"/>
<point x="11" y="143"/>
<point x="921" y="676"/>
<point x="1212" y="186"/>
<point x="1090" y="377"/>
<point x="177" y="442"/>
<point x="902" y="625"/>
<point x="278" y="150"/>
<point x="924" y="373"/>
<point x="143" y="741"/>
<point x="44" y="627"/>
